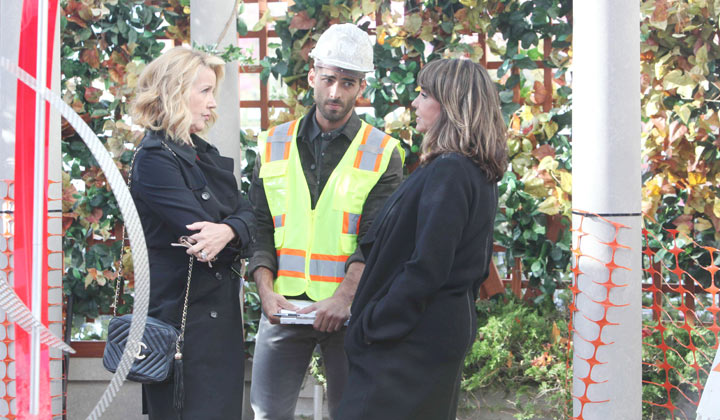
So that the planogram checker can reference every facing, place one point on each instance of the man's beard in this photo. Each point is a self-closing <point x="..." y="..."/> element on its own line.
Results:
<point x="336" y="114"/>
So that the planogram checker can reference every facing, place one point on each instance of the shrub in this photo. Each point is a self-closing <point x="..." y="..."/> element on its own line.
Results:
<point x="523" y="348"/>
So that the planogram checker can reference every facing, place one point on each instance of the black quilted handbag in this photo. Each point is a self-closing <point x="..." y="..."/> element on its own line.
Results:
<point x="154" y="353"/>
<point x="158" y="355"/>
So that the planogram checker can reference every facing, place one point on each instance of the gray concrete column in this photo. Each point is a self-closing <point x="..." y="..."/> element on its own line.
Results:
<point x="208" y="21"/>
<point x="606" y="180"/>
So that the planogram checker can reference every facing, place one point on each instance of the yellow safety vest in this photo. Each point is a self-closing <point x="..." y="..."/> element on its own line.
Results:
<point x="313" y="245"/>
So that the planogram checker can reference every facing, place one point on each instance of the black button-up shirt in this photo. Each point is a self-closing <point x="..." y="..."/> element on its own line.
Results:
<point x="319" y="154"/>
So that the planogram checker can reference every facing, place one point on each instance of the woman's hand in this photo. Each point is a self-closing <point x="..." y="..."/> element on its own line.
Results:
<point x="210" y="240"/>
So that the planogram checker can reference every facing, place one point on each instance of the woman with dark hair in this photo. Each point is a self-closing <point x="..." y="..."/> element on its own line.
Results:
<point x="413" y="317"/>
<point x="183" y="187"/>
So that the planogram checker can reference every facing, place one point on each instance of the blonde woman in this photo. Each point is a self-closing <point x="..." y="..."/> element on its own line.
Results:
<point x="183" y="187"/>
<point x="413" y="316"/>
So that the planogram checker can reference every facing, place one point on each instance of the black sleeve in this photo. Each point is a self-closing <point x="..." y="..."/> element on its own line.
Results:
<point x="264" y="250"/>
<point x="242" y="222"/>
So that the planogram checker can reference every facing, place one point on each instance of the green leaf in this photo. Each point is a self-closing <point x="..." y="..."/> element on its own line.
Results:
<point x="683" y="112"/>
<point x="556" y="253"/>
<point x="525" y="63"/>
<point x="535" y="54"/>
<point x="529" y="39"/>
<point x="396" y="77"/>
<point x="122" y="27"/>
<point x="242" y="28"/>
<point x="281" y="68"/>
<point x="97" y="200"/>
<point x="539" y="17"/>
<point x="564" y="91"/>
<point x="266" y="17"/>
<point x="508" y="110"/>
<point x="83" y="34"/>
<point x="506" y="96"/>
<point x="512" y="81"/>
<point x="413" y="23"/>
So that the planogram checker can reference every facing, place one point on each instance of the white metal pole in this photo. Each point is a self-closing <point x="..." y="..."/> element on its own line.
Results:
<point x="606" y="180"/>
<point x="39" y="206"/>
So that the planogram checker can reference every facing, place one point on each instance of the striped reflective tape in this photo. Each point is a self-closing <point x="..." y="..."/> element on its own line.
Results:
<point x="328" y="268"/>
<point x="278" y="142"/>
<point x="279" y="220"/>
<point x="291" y="262"/>
<point x="351" y="223"/>
<point x="369" y="155"/>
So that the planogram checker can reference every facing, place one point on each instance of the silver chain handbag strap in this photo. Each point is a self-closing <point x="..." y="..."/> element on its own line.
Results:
<point x="178" y="343"/>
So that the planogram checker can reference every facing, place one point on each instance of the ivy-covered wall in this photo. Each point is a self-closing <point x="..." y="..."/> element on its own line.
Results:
<point x="105" y="44"/>
<point x="680" y="54"/>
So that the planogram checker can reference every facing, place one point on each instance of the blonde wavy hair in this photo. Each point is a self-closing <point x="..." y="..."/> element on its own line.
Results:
<point x="471" y="122"/>
<point x="162" y="94"/>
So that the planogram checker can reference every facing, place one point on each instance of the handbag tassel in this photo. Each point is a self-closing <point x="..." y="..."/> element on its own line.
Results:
<point x="179" y="395"/>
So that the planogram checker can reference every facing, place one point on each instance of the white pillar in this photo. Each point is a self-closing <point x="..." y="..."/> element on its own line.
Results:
<point x="10" y="18"/>
<point x="54" y="240"/>
<point x="606" y="181"/>
<point x="208" y="20"/>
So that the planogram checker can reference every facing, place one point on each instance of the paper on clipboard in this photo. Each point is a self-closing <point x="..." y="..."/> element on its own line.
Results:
<point x="291" y="317"/>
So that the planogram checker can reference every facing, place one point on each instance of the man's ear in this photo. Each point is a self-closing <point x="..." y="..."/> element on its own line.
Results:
<point x="363" y="85"/>
<point x="311" y="77"/>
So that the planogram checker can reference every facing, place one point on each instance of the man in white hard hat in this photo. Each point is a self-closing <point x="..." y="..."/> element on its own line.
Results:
<point x="318" y="183"/>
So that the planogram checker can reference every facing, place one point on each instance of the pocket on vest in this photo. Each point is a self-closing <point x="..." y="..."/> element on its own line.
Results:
<point x="348" y="243"/>
<point x="352" y="190"/>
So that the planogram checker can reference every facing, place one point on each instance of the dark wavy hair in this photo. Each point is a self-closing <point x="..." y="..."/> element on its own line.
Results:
<point x="471" y="122"/>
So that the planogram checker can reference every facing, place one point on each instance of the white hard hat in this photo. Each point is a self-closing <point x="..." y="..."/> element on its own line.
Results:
<point x="345" y="46"/>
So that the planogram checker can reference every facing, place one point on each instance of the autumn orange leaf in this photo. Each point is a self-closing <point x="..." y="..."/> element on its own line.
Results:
<point x="302" y="21"/>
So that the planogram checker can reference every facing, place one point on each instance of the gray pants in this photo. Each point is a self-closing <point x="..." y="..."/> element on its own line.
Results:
<point x="282" y="356"/>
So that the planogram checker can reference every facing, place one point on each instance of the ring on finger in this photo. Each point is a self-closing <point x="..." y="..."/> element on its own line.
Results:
<point x="203" y="255"/>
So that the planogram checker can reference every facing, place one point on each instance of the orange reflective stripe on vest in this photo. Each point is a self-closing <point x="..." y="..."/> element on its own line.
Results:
<point x="328" y="268"/>
<point x="291" y="262"/>
<point x="351" y="223"/>
<point x="370" y="151"/>
<point x="279" y="220"/>
<point x="278" y="143"/>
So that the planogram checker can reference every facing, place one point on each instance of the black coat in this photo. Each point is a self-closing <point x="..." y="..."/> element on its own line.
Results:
<point x="170" y="192"/>
<point x="413" y="317"/>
